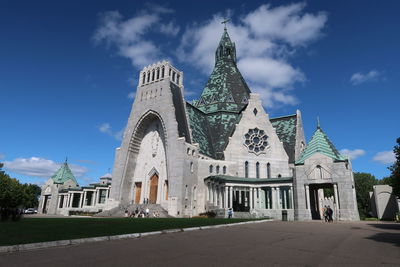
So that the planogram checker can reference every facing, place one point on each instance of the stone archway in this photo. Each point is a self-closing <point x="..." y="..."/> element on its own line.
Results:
<point x="141" y="130"/>
<point x="153" y="189"/>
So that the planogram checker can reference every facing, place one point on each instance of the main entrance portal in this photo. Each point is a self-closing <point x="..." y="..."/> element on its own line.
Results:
<point x="138" y="191"/>
<point x="153" y="189"/>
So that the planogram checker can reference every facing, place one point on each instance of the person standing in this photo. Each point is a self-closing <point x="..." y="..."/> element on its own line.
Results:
<point x="330" y="213"/>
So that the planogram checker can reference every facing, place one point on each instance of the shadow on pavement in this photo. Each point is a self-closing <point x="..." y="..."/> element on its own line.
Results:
<point x="386" y="226"/>
<point x="387" y="237"/>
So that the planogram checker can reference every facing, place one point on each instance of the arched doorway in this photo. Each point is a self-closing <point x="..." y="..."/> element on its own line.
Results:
<point x="153" y="189"/>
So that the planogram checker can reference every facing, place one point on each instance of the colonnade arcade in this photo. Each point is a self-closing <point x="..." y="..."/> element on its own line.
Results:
<point x="244" y="197"/>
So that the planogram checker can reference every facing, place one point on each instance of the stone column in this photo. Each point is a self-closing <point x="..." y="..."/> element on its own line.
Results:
<point x="273" y="204"/>
<point x="308" y="197"/>
<point x="208" y="192"/>
<point x="335" y="190"/>
<point x="291" y="197"/>
<point x="278" y="198"/>
<point x="251" y="198"/>
<point x="284" y="204"/>
<point x="230" y="197"/>
<point x="226" y="196"/>
<point x="97" y="197"/>
<point x="82" y="200"/>
<point x="72" y="200"/>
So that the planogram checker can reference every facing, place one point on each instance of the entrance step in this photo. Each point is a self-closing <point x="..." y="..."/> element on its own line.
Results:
<point x="120" y="211"/>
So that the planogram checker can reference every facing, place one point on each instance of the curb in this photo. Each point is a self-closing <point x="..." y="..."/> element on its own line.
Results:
<point x="71" y="242"/>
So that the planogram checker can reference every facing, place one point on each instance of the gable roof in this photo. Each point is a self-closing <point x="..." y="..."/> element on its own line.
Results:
<point x="320" y="143"/>
<point x="63" y="174"/>
<point x="286" y="130"/>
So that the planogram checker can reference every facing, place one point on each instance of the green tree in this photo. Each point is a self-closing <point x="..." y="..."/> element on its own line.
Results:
<point x="364" y="183"/>
<point x="395" y="169"/>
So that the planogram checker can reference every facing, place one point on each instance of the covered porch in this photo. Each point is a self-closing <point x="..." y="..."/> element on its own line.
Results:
<point x="249" y="194"/>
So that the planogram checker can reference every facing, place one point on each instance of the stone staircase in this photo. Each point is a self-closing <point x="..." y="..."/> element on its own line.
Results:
<point x="120" y="210"/>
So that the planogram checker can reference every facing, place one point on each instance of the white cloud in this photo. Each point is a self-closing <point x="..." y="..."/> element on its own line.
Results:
<point x="353" y="154"/>
<point x="106" y="128"/>
<point x="128" y="36"/>
<point x="170" y="29"/>
<point x="265" y="39"/>
<point x="131" y="95"/>
<point x="40" y="167"/>
<point x="385" y="157"/>
<point x="358" y="78"/>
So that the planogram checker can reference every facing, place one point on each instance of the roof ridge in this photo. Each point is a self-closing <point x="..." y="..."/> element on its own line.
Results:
<point x="281" y="117"/>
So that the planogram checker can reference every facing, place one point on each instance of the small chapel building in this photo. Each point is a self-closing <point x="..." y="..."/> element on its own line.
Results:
<point x="221" y="152"/>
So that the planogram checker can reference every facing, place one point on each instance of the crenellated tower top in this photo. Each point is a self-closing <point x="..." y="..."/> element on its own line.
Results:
<point x="158" y="72"/>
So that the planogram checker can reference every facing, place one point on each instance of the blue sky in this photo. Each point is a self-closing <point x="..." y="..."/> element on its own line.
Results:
<point x="68" y="72"/>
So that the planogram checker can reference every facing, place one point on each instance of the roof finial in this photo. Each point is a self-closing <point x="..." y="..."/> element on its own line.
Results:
<point x="318" y="124"/>
<point x="66" y="159"/>
<point x="225" y="22"/>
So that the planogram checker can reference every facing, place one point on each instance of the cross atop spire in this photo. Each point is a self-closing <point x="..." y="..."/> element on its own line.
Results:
<point x="318" y="124"/>
<point x="225" y="21"/>
<point x="66" y="159"/>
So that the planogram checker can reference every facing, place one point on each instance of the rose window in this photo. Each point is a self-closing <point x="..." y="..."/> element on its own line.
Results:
<point x="256" y="140"/>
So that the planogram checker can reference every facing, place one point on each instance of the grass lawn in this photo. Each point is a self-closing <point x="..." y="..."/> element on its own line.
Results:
<point x="32" y="230"/>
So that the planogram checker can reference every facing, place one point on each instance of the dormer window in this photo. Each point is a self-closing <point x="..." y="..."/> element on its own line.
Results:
<point x="214" y="99"/>
<point x="245" y="100"/>
<point x="201" y="102"/>
<point x="230" y="99"/>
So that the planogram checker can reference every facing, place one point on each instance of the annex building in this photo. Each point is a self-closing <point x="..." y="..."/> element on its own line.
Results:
<point x="219" y="152"/>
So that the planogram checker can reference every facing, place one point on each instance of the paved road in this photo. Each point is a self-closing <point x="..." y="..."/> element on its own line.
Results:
<point x="262" y="244"/>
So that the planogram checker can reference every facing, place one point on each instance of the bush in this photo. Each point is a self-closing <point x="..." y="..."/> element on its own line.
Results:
<point x="208" y="214"/>
<point x="81" y="213"/>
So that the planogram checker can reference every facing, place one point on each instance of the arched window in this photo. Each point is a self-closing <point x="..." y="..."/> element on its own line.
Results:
<point x="158" y="73"/>
<point x="191" y="166"/>
<point x="224" y="170"/>
<point x="228" y="51"/>
<point x="162" y="72"/>
<point x="268" y="170"/>
<point x="144" y="78"/>
<point x="178" y="78"/>
<point x="194" y="194"/>
<point x="186" y="192"/>
<point x="211" y="168"/>
<point x="257" y="170"/>
<point x="148" y="76"/>
<point x="217" y="169"/>
<point x="152" y="75"/>
<point x="188" y="151"/>
<point x="246" y="169"/>
<point x="279" y="175"/>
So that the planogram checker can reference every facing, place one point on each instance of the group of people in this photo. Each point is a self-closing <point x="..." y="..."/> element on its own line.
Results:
<point x="328" y="214"/>
<point x="142" y="213"/>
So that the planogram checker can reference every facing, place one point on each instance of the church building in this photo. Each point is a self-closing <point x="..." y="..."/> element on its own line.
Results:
<point x="223" y="152"/>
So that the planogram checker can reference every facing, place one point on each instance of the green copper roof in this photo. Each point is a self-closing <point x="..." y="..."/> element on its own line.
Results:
<point x="226" y="89"/>
<point x="320" y="143"/>
<point x="200" y="130"/>
<point x="219" y="108"/>
<point x="286" y="130"/>
<point x="63" y="174"/>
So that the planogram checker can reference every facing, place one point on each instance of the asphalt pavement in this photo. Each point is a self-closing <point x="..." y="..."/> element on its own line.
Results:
<point x="261" y="244"/>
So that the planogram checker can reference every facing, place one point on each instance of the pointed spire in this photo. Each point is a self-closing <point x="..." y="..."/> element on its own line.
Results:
<point x="318" y="124"/>
<point x="320" y="143"/>
<point x="66" y="160"/>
